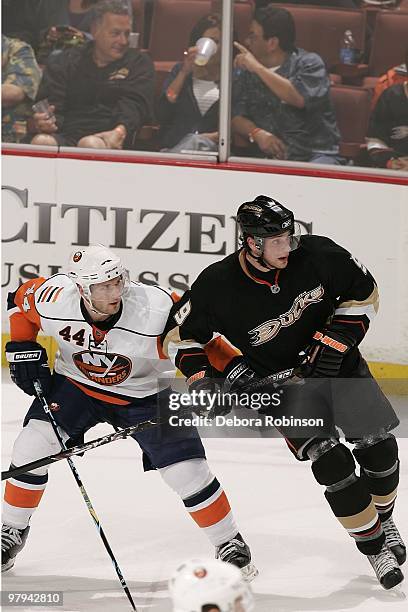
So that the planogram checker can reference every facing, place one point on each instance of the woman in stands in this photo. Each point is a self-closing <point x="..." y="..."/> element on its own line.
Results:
<point x="188" y="106"/>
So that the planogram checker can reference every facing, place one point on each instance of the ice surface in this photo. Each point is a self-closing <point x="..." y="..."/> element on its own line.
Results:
<point x="306" y="560"/>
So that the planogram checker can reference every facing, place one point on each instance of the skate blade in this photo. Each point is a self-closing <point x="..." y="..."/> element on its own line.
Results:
<point x="8" y="565"/>
<point x="249" y="572"/>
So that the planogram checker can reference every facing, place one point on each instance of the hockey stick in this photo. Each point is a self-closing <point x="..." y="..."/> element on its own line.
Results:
<point x="44" y="403"/>
<point x="81" y="448"/>
<point x="275" y="379"/>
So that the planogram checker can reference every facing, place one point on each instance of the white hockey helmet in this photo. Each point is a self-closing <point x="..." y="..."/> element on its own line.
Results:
<point x="95" y="264"/>
<point x="198" y="584"/>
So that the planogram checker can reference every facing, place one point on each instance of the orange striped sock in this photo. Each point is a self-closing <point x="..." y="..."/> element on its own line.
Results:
<point x="211" y="510"/>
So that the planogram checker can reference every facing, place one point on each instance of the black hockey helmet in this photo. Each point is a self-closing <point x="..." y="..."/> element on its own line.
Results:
<point x="264" y="217"/>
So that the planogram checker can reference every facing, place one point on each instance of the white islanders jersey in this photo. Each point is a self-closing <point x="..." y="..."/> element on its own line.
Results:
<point x="127" y="360"/>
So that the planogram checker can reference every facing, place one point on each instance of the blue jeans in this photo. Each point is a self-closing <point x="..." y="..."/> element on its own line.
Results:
<point x="333" y="159"/>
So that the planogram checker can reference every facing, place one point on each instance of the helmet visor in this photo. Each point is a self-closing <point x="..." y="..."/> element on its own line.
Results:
<point x="286" y="240"/>
<point x="111" y="290"/>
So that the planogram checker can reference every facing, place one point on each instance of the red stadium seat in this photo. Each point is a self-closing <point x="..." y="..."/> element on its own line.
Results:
<point x="322" y="29"/>
<point x="403" y="6"/>
<point x="352" y="108"/>
<point x="390" y="41"/>
<point x="243" y="13"/>
<point x="173" y="21"/>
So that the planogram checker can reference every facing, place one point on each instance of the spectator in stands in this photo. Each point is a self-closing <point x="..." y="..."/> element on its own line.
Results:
<point x="101" y="93"/>
<point x="280" y="101"/>
<point x="395" y="75"/>
<point x="20" y="80"/>
<point x="66" y="23"/>
<point x="75" y="13"/>
<point x="188" y="106"/>
<point x="387" y="139"/>
<point x="35" y="21"/>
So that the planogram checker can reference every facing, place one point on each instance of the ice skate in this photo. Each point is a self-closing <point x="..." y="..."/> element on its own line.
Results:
<point x="394" y="541"/>
<point x="386" y="568"/>
<point x="237" y="553"/>
<point x="12" y="541"/>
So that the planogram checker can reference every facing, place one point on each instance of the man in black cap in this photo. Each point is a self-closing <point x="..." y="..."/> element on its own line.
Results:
<point x="281" y="295"/>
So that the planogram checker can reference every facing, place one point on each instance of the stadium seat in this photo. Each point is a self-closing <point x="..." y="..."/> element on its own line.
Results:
<point x="322" y="29"/>
<point x="173" y="21"/>
<point x="352" y="108"/>
<point x="403" y="7"/>
<point x="389" y="43"/>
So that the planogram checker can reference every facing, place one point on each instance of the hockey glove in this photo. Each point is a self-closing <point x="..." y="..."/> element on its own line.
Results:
<point x="206" y="395"/>
<point x="324" y="357"/>
<point x="28" y="361"/>
<point x="238" y="376"/>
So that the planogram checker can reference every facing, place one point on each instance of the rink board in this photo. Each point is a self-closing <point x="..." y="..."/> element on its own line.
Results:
<point x="169" y="222"/>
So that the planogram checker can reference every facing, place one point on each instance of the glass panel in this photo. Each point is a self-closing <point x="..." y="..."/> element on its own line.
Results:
<point x="308" y="84"/>
<point x="128" y="78"/>
<point x="187" y="108"/>
<point x="312" y="84"/>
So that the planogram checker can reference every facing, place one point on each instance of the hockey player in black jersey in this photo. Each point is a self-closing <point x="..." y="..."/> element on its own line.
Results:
<point x="280" y="296"/>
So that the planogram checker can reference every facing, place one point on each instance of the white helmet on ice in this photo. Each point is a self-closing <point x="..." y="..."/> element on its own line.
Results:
<point x="95" y="264"/>
<point x="201" y="585"/>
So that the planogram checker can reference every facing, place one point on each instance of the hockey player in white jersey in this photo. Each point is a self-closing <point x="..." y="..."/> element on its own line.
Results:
<point x="110" y="367"/>
<point x="209" y="586"/>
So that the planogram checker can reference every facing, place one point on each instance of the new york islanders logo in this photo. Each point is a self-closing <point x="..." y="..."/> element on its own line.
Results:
<point x="105" y="369"/>
<point x="268" y="330"/>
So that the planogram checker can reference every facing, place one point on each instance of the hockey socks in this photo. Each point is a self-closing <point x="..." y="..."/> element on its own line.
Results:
<point x="23" y="493"/>
<point x="211" y="510"/>
<point x="333" y="466"/>
<point x="203" y="498"/>
<point x="379" y="463"/>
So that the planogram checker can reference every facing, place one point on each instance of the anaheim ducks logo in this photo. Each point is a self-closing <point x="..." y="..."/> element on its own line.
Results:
<point x="122" y="73"/>
<point x="103" y="368"/>
<point x="268" y="330"/>
<point x="77" y="256"/>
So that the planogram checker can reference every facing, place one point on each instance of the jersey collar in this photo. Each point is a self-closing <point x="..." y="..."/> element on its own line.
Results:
<point x="260" y="281"/>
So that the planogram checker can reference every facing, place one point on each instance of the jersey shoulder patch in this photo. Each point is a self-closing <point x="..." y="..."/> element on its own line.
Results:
<point x="24" y="297"/>
<point x="54" y="297"/>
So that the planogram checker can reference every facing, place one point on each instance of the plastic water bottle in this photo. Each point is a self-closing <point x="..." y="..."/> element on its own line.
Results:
<point x="348" y="51"/>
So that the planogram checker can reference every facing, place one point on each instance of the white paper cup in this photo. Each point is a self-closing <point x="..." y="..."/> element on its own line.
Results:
<point x="206" y="48"/>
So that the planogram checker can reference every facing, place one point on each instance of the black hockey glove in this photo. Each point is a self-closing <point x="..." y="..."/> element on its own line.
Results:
<point x="238" y="376"/>
<point x="325" y="355"/>
<point x="206" y="395"/>
<point x="28" y="361"/>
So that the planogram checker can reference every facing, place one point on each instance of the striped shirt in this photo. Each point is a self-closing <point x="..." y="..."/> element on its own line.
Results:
<point x="206" y="93"/>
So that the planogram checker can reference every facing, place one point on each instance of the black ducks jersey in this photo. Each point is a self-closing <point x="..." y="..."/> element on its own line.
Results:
<point x="270" y="317"/>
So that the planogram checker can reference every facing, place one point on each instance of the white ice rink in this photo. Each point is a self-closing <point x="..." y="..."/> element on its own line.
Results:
<point x="306" y="560"/>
